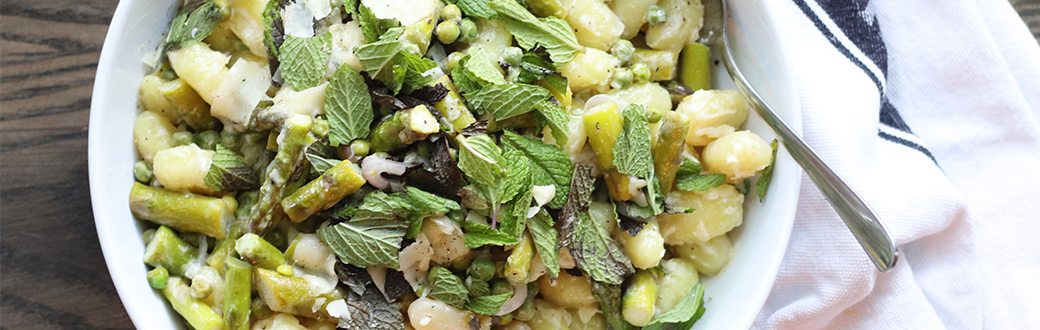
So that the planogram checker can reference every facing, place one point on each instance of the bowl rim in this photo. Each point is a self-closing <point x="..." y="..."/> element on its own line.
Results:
<point x="125" y="286"/>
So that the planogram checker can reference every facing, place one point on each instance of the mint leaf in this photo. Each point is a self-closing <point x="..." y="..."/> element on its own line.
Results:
<point x="273" y="16"/>
<point x="507" y="100"/>
<point x="480" y="158"/>
<point x="482" y="68"/>
<point x="689" y="177"/>
<point x="552" y="33"/>
<point x="687" y="311"/>
<point x="369" y="23"/>
<point x="447" y="287"/>
<point x="230" y="172"/>
<point x="556" y="117"/>
<point x="596" y="253"/>
<point x="321" y="164"/>
<point x="193" y="24"/>
<point x="516" y="182"/>
<point x="475" y="71"/>
<point x="632" y="150"/>
<point x="700" y="182"/>
<point x="478" y="235"/>
<point x="477" y="288"/>
<point x="578" y="199"/>
<point x="545" y="241"/>
<point x="534" y="68"/>
<point x="392" y="33"/>
<point x="415" y="77"/>
<point x="767" y="174"/>
<point x="348" y="106"/>
<point x="550" y="164"/>
<point x="423" y="204"/>
<point x="419" y="205"/>
<point x="369" y="310"/>
<point x="609" y="298"/>
<point x="381" y="62"/>
<point x="303" y="60"/>
<point x="364" y="243"/>
<point x="488" y="305"/>
<point x="475" y="8"/>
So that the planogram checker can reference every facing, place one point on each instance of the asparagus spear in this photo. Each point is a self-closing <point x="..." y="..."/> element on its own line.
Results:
<point x="199" y="315"/>
<point x="603" y="125"/>
<point x="403" y="128"/>
<point x="289" y="294"/>
<point x="183" y="211"/>
<point x="294" y="138"/>
<point x="668" y="151"/>
<point x="637" y="305"/>
<point x="452" y="107"/>
<point x="696" y="66"/>
<point x="188" y="105"/>
<point x="259" y="252"/>
<point x="324" y="192"/>
<point x="518" y="265"/>
<point x="237" y="294"/>
<point x="169" y="251"/>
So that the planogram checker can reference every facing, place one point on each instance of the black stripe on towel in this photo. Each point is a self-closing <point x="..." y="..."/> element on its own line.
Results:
<point x="867" y="38"/>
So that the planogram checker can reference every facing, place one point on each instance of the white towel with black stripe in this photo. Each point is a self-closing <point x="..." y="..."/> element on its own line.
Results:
<point x="929" y="109"/>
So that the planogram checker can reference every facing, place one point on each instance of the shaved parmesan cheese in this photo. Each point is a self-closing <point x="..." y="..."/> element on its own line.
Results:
<point x="246" y="84"/>
<point x="319" y="8"/>
<point x="309" y="102"/>
<point x="338" y="309"/>
<point x="408" y="12"/>
<point x="346" y="36"/>
<point x="415" y="260"/>
<point x="298" y="20"/>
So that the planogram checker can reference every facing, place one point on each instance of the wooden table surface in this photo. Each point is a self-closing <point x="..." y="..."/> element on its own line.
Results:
<point x="53" y="273"/>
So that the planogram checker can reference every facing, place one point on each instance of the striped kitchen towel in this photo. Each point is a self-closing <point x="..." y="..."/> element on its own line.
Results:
<point x="929" y="109"/>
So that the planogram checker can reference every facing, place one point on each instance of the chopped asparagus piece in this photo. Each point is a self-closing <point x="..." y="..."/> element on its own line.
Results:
<point x="237" y="294"/>
<point x="169" y="251"/>
<point x="668" y="151"/>
<point x="199" y="315"/>
<point x="637" y="305"/>
<point x="183" y="211"/>
<point x="259" y="252"/>
<point x="518" y="265"/>
<point x="339" y="181"/>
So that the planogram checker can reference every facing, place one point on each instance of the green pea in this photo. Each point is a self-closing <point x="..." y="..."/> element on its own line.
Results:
<point x="285" y="270"/>
<point x="207" y="140"/>
<point x="512" y="55"/>
<point x="481" y="269"/>
<point x="654" y="114"/>
<point x="623" y="50"/>
<point x="656" y="15"/>
<point x="360" y="148"/>
<point x="231" y="140"/>
<point x="182" y="138"/>
<point x="505" y="319"/>
<point x="447" y="32"/>
<point x="453" y="60"/>
<point x="622" y="79"/>
<point x="641" y="72"/>
<point x="157" y="277"/>
<point x="142" y="172"/>
<point x="500" y="286"/>
<point x="467" y="30"/>
<point x="451" y="12"/>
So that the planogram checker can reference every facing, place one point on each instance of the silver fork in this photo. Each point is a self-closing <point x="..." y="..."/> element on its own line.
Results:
<point x="869" y="231"/>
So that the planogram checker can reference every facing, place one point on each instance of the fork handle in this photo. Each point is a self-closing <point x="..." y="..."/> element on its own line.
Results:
<point x="858" y="216"/>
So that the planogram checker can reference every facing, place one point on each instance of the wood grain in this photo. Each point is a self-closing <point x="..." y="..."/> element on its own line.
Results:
<point x="54" y="275"/>
<point x="53" y="272"/>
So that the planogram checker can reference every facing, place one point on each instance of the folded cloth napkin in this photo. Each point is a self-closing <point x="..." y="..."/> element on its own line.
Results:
<point x="929" y="109"/>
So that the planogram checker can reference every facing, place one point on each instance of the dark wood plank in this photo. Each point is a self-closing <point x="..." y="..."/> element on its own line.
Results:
<point x="54" y="275"/>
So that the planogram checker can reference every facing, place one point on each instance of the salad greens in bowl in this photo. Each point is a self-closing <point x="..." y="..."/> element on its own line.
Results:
<point x="437" y="164"/>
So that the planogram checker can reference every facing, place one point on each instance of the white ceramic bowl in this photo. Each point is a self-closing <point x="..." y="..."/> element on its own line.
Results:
<point x="734" y="296"/>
